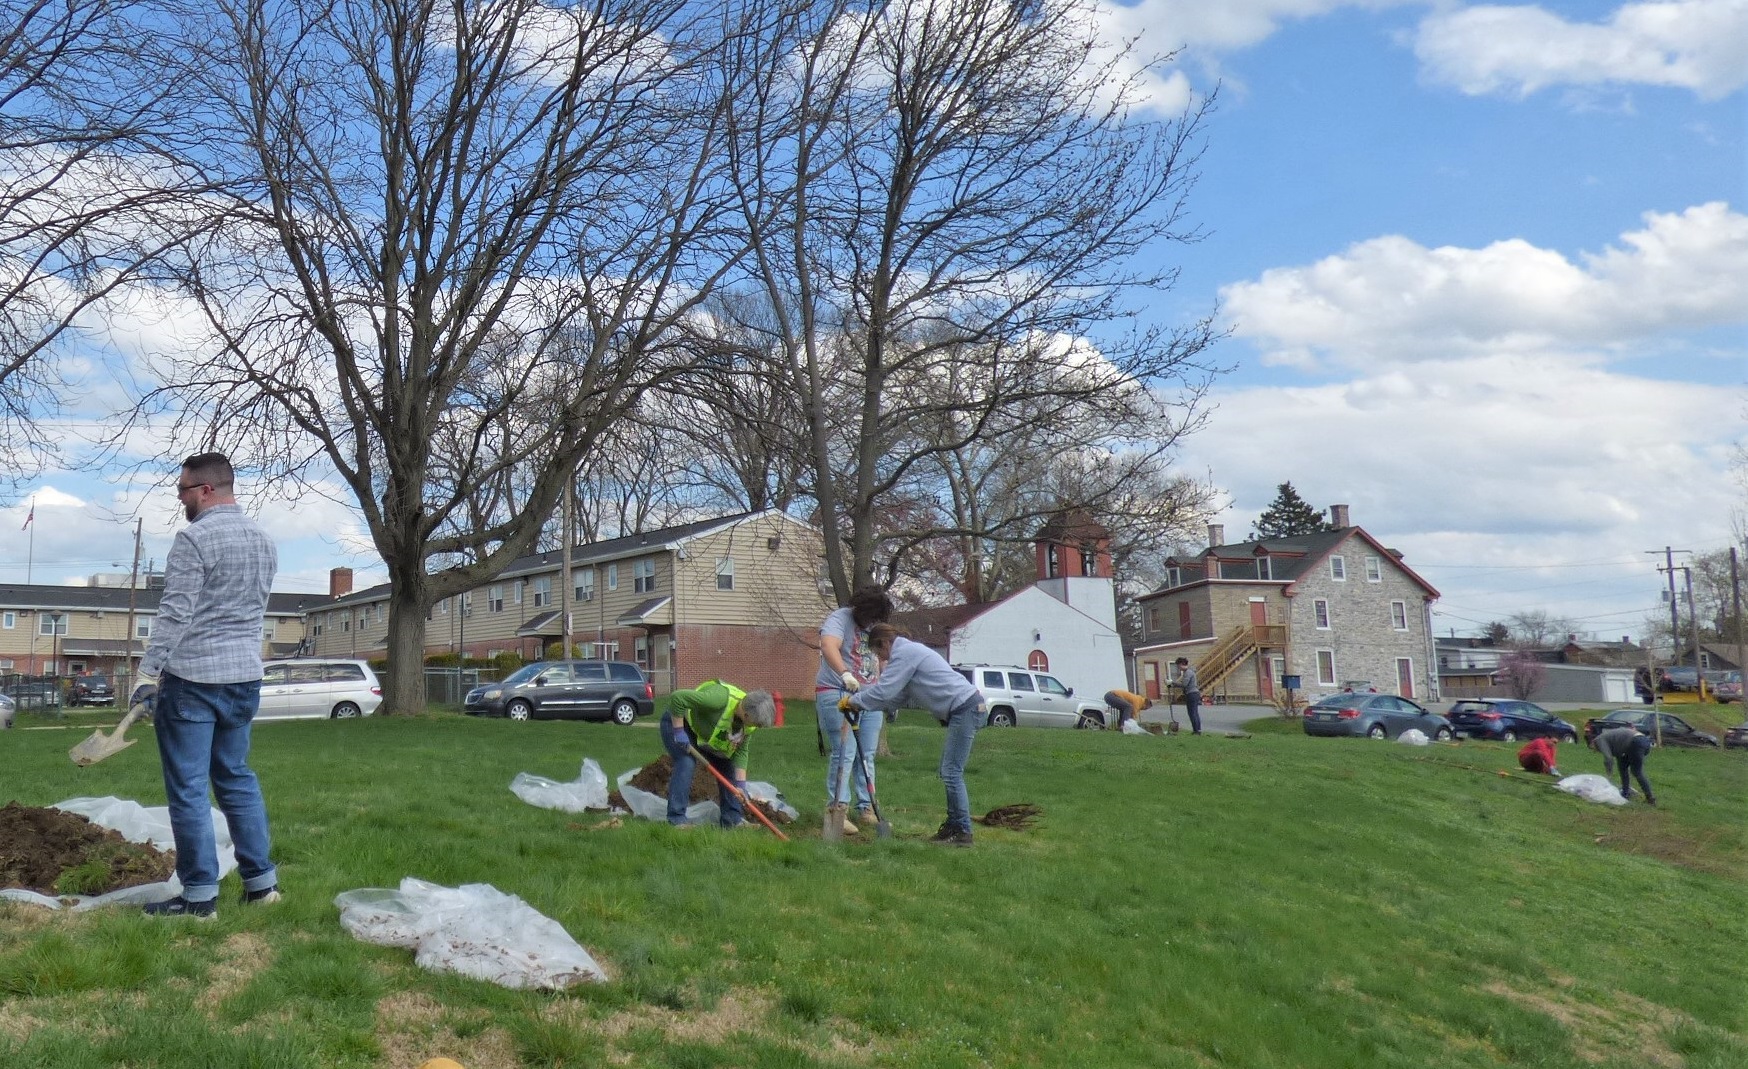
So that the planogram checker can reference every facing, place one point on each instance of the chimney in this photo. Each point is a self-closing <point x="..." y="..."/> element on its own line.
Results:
<point x="1216" y="535"/>
<point x="1338" y="516"/>
<point x="339" y="582"/>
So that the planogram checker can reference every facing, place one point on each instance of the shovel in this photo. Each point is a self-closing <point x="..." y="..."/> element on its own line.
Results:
<point x="882" y="826"/>
<point x="99" y="745"/>
<point x="745" y="801"/>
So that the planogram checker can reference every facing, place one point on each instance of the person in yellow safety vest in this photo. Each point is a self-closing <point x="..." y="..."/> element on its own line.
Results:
<point x="717" y="720"/>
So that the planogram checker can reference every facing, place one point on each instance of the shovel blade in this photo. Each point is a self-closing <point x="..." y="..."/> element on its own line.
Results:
<point x="833" y="830"/>
<point x="97" y="747"/>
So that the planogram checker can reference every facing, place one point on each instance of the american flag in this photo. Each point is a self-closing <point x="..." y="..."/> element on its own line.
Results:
<point x="30" y="517"/>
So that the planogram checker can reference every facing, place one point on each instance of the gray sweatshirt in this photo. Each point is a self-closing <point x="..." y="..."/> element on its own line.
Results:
<point x="916" y="677"/>
<point x="1613" y="743"/>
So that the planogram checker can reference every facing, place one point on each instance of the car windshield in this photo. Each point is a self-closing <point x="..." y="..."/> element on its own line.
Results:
<point x="526" y="672"/>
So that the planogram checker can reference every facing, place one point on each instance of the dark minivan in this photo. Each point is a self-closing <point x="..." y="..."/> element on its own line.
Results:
<point x="567" y="690"/>
<point x="91" y="689"/>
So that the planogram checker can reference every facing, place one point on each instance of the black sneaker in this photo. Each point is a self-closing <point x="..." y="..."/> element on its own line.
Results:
<point x="942" y="834"/>
<point x="266" y="896"/>
<point x="182" y="907"/>
<point x="954" y="838"/>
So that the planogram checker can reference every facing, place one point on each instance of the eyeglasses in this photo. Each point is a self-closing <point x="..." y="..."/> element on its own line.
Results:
<point x="181" y="489"/>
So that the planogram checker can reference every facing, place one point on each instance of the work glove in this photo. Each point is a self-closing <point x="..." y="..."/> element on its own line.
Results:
<point x="145" y="693"/>
<point x="845" y="705"/>
<point x="851" y="683"/>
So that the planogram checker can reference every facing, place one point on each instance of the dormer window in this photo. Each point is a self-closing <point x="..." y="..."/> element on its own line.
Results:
<point x="1173" y="577"/>
<point x="1263" y="569"/>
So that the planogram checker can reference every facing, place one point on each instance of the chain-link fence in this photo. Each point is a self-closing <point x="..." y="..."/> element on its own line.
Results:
<point x="448" y="686"/>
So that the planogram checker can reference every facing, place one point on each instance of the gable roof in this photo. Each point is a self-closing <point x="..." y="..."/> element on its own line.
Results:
<point x="1290" y="559"/>
<point x="106" y="599"/>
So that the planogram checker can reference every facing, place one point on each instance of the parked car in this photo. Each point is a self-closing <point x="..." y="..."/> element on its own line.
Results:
<point x="1676" y="731"/>
<point x="91" y="689"/>
<point x="1358" y="686"/>
<point x="1507" y="720"/>
<point x="1728" y="689"/>
<point x="1676" y="677"/>
<point x="1737" y="737"/>
<point x="318" y="689"/>
<point x="35" y="693"/>
<point x="1377" y="716"/>
<point x="1019" y="696"/>
<point x="567" y="690"/>
<point x="8" y="710"/>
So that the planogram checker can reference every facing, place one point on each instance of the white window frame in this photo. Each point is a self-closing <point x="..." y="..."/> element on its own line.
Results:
<point x="640" y="652"/>
<point x="643" y="575"/>
<point x="1399" y="615"/>
<point x="1374" y="569"/>
<point x="6" y="664"/>
<point x="613" y="576"/>
<point x="495" y="598"/>
<point x="1320" y="613"/>
<point x="542" y="591"/>
<point x="1325" y="679"/>
<point x="143" y="626"/>
<point x="1264" y="570"/>
<point x="583" y="586"/>
<point x="516" y="589"/>
<point x="9" y="620"/>
<point x="1173" y="577"/>
<point x="1338" y="568"/>
<point x="52" y="624"/>
<point x="443" y="607"/>
<point x="267" y="631"/>
<point x="725" y="571"/>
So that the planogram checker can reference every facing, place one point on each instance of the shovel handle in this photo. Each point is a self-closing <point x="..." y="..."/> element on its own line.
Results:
<point x="720" y="778"/>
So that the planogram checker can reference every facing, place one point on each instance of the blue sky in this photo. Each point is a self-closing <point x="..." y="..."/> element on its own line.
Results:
<point x="1486" y="273"/>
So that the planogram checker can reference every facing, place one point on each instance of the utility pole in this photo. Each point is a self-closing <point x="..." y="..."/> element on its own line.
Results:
<point x="133" y="593"/>
<point x="1736" y="607"/>
<point x="1699" y="679"/>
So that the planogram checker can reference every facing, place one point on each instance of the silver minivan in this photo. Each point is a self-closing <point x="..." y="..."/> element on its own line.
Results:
<point x="318" y="689"/>
<point x="1019" y="696"/>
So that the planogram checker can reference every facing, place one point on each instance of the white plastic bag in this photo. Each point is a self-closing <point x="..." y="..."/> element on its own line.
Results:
<point x="767" y="793"/>
<point x="587" y="791"/>
<point x="137" y="824"/>
<point x="1130" y="727"/>
<point x="1413" y="737"/>
<point x="474" y="930"/>
<point x="655" y="807"/>
<point x="1592" y="788"/>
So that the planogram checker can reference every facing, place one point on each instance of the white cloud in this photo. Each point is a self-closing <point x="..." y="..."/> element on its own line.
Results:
<point x="1526" y="462"/>
<point x="1222" y="27"/>
<point x="1389" y="298"/>
<point x="1700" y="45"/>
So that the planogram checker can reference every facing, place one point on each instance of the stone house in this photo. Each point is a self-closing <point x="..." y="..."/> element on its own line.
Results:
<point x="1330" y="608"/>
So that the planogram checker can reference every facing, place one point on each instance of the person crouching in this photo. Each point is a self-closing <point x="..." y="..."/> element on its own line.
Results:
<point x="715" y="720"/>
<point x="1538" y="757"/>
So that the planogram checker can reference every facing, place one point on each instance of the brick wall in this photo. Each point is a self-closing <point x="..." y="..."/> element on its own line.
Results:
<point x="769" y="658"/>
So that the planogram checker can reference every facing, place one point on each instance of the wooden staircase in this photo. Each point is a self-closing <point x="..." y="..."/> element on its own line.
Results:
<point x="1237" y="647"/>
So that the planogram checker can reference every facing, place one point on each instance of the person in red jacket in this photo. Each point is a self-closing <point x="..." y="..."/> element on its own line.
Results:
<point x="1538" y="757"/>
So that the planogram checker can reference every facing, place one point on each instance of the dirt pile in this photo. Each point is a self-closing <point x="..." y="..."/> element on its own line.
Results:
<point x="57" y="853"/>
<point x="654" y="778"/>
<point x="1019" y="817"/>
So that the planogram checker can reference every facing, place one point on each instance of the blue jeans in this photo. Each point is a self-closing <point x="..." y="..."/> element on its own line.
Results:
<point x="1193" y="706"/>
<point x="840" y="771"/>
<point x="679" y="747"/>
<point x="962" y="725"/>
<point x="203" y="741"/>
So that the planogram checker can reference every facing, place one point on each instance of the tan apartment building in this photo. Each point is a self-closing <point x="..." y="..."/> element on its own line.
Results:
<point x="735" y="597"/>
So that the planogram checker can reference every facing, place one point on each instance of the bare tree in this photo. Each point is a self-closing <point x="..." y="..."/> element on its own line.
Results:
<point x="1522" y="674"/>
<point x="452" y="246"/>
<point x="76" y="199"/>
<point x="947" y="198"/>
<point x="1538" y="627"/>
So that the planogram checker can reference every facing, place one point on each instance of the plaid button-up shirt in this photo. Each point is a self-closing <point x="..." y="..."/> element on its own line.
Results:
<point x="210" y="617"/>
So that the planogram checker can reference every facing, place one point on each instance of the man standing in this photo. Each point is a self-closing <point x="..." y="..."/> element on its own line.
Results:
<point x="1192" y="688"/>
<point x="201" y="679"/>
<point x="1628" y="746"/>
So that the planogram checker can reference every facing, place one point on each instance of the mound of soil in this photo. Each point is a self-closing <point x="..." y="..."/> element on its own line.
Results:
<point x="654" y="778"/>
<point x="58" y="853"/>
<point x="1019" y="816"/>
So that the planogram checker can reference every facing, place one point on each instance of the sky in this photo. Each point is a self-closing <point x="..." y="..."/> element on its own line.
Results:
<point x="1484" y="273"/>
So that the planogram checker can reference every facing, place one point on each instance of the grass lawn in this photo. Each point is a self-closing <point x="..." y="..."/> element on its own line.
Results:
<point x="1274" y="901"/>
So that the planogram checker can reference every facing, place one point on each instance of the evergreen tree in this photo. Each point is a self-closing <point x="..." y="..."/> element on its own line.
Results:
<point x="1288" y="515"/>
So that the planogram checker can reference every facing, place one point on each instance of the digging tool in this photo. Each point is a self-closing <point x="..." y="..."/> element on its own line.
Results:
<point x="99" y="745"/>
<point x="744" y="800"/>
<point x="882" y="826"/>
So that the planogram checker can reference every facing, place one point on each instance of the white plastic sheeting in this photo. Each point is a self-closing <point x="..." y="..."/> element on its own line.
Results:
<point x="1592" y="788"/>
<point x="137" y="824"/>
<point x="655" y="807"/>
<point x="1413" y="737"/>
<point x="474" y="930"/>
<point x="587" y="791"/>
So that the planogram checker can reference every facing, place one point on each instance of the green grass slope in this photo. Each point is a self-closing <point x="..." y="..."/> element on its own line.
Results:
<point x="1274" y="901"/>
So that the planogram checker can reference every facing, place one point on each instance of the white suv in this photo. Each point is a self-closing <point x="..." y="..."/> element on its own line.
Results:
<point x="1036" y="699"/>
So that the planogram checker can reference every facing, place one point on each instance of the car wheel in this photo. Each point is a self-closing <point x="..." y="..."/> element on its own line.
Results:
<point x="1088" y="722"/>
<point x="1442" y="734"/>
<point x="519" y="710"/>
<point x="1509" y="736"/>
<point x="1376" y="731"/>
<point x="346" y="711"/>
<point x="1568" y="737"/>
<point x="1001" y="718"/>
<point x="624" y="712"/>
